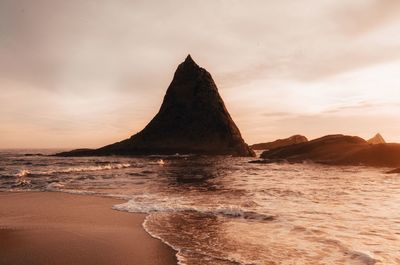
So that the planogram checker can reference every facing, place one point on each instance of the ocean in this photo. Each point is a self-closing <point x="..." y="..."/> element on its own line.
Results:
<point x="225" y="210"/>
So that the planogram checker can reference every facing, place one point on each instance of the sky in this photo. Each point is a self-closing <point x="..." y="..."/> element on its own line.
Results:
<point x="88" y="73"/>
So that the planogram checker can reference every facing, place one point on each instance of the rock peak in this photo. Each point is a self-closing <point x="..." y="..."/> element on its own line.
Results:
<point x="190" y="63"/>
<point x="189" y="58"/>
<point x="377" y="139"/>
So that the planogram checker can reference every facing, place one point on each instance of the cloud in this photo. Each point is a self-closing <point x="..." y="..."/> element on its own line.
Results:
<point x="360" y="17"/>
<point x="360" y="106"/>
<point x="50" y="43"/>
<point x="277" y="114"/>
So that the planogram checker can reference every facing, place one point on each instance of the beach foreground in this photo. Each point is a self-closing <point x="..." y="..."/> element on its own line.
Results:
<point x="58" y="228"/>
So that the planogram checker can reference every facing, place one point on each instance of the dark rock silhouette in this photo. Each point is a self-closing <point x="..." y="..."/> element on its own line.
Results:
<point x="295" y="139"/>
<point x="377" y="139"/>
<point x="192" y="119"/>
<point x="339" y="150"/>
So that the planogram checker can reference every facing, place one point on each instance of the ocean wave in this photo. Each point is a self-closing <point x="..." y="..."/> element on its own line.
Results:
<point x="183" y="256"/>
<point x="25" y="172"/>
<point x="22" y="178"/>
<point x="60" y="187"/>
<point x="362" y="257"/>
<point x="181" y="259"/>
<point x="151" y="205"/>
<point x="6" y="176"/>
<point x="55" y="186"/>
<point x="92" y="168"/>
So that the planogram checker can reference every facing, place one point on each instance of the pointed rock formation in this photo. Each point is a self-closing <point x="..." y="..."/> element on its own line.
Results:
<point x="192" y="119"/>
<point x="295" y="139"/>
<point x="377" y="139"/>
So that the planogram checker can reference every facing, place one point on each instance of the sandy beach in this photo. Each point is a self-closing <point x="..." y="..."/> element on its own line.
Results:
<point x="56" y="228"/>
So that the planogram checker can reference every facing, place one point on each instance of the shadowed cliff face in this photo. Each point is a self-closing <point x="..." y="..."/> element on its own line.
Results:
<point x="192" y="119"/>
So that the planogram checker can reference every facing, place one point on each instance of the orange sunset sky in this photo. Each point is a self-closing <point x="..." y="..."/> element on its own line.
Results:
<point x="88" y="73"/>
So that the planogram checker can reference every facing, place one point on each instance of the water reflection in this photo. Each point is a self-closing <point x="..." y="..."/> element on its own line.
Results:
<point x="194" y="173"/>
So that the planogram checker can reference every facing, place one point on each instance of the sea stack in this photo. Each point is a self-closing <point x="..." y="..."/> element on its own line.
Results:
<point x="192" y="119"/>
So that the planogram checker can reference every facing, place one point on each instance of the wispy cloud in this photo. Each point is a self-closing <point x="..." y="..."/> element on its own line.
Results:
<point x="360" y="107"/>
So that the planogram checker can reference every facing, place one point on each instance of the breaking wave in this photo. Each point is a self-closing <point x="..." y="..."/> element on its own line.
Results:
<point x="151" y="205"/>
<point x="25" y="173"/>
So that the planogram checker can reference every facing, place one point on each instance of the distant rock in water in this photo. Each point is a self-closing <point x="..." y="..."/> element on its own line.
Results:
<point x="339" y="150"/>
<point x="377" y="139"/>
<point x="295" y="139"/>
<point x="394" y="171"/>
<point x="192" y="119"/>
<point x="34" y="154"/>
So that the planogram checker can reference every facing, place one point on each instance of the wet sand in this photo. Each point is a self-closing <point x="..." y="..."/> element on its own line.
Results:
<point x="56" y="228"/>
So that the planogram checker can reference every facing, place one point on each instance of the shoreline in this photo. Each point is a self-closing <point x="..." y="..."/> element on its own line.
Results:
<point x="41" y="228"/>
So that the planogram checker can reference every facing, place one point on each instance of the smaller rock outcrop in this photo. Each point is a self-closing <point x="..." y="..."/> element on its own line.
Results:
<point x="339" y="150"/>
<point x="377" y="139"/>
<point x="295" y="139"/>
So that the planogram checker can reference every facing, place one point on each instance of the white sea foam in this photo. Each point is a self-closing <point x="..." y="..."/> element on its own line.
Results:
<point x="23" y="182"/>
<point x="92" y="168"/>
<point x="22" y="178"/>
<point x="55" y="186"/>
<point x="181" y="259"/>
<point x="185" y="255"/>
<point x="149" y="204"/>
<point x="152" y="205"/>
<point x="24" y="172"/>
